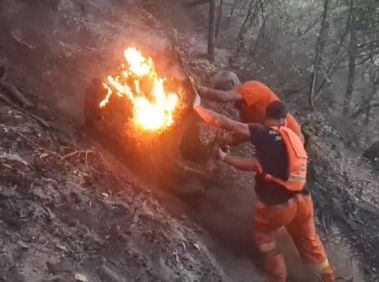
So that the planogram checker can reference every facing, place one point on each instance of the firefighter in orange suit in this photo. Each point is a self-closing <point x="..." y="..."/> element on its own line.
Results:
<point x="281" y="166"/>
<point x="251" y="98"/>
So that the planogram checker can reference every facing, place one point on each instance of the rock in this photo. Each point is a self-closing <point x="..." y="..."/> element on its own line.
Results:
<point x="111" y="275"/>
<point x="23" y="245"/>
<point x="80" y="277"/>
<point x="2" y="71"/>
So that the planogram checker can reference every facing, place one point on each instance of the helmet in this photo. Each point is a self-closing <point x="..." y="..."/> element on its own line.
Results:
<point x="225" y="80"/>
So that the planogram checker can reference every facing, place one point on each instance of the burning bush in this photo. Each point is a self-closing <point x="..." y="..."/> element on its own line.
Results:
<point x="153" y="105"/>
<point x="147" y="116"/>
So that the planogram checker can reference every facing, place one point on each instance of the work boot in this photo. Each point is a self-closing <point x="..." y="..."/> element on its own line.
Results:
<point x="329" y="275"/>
<point x="275" y="268"/>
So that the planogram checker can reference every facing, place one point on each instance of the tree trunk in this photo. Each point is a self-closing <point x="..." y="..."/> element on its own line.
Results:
<point x="351" y="71"/>
<point x="254" y="46"/>
<point x="211" y="31"/>
<point x="374" y="90"/>
<point x="219" y="17"/>
<point x="319" y="49"/>
<point x="231" y="14"/>
<point x="243" y="27"/>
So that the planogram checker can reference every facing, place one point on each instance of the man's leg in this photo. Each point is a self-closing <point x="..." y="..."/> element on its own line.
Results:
<point x="267" y="220"/>
<point x="303" y="232"/>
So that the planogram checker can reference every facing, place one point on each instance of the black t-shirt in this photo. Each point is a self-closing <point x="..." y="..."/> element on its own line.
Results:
<point x="272" y="154"/>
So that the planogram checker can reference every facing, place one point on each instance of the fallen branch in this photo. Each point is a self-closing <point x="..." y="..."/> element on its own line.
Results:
<point x="41" y="121"/>
<point x="86" y="152"/>
<point x="18" y="36"/>
<point x="195" y="3"/>
<point x="13" y="157"/>
<point x="11" y="90"/>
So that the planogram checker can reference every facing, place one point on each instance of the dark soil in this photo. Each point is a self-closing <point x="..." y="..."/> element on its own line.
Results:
<point x="69" y="207"/>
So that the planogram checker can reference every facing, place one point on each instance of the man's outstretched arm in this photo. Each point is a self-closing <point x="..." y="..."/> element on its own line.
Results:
<point x="239" y="163"/>
<point x="220" y="121"/>
<point x="222" y="96"/>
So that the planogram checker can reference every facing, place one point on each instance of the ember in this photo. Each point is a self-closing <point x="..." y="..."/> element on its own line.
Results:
<point x="153" y="106"/>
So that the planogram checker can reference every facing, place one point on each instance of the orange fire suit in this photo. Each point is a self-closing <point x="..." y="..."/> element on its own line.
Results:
<point x="257" y="97"/>
<point x="284" y="201"/>
<point x="296" y="216"/>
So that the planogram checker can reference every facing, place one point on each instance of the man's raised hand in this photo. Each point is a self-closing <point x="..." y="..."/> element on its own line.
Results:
<point x="197" y="101"/>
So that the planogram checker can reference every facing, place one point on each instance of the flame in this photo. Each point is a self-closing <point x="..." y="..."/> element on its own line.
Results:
<point x="152" y="105"/>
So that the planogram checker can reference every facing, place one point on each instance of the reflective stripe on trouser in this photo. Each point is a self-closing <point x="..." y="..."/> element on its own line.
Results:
<point x="273" y="262"/>
<point x="275" y="267"/>
<point x="297" y="216"/>
<point x="325" y="270"/>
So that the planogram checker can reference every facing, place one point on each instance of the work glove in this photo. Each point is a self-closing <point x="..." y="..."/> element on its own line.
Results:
<point x="224" y="140"/>
<point x="201" y="89"/>
<point x="221" y="154"/>
<point x="197" y="101"/>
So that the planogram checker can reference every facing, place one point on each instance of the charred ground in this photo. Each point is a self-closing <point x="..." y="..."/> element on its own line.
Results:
<point x="69" y="207"/>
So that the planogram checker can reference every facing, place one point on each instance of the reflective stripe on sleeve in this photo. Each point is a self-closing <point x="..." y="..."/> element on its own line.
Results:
<point x="267" y="247"/>
<point x="323" y="267"/>
<point x="296" y="179"/>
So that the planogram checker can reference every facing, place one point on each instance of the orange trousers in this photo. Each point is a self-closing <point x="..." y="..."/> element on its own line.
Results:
<point x="297" y="217"/>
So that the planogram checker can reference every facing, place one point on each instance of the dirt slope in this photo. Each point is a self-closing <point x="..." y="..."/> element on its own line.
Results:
<point x="345" y="189"/>
<point x="64" y="213"/>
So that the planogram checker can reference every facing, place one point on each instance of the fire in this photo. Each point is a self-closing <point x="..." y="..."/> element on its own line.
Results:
<point x="153" y="107"/>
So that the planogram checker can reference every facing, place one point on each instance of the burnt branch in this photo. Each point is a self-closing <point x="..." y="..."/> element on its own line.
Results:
<point x="196" y="3"/>
<point x="41" y="121"/>
<point x="318" y="54"/>
<point x="362" y="110"/>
